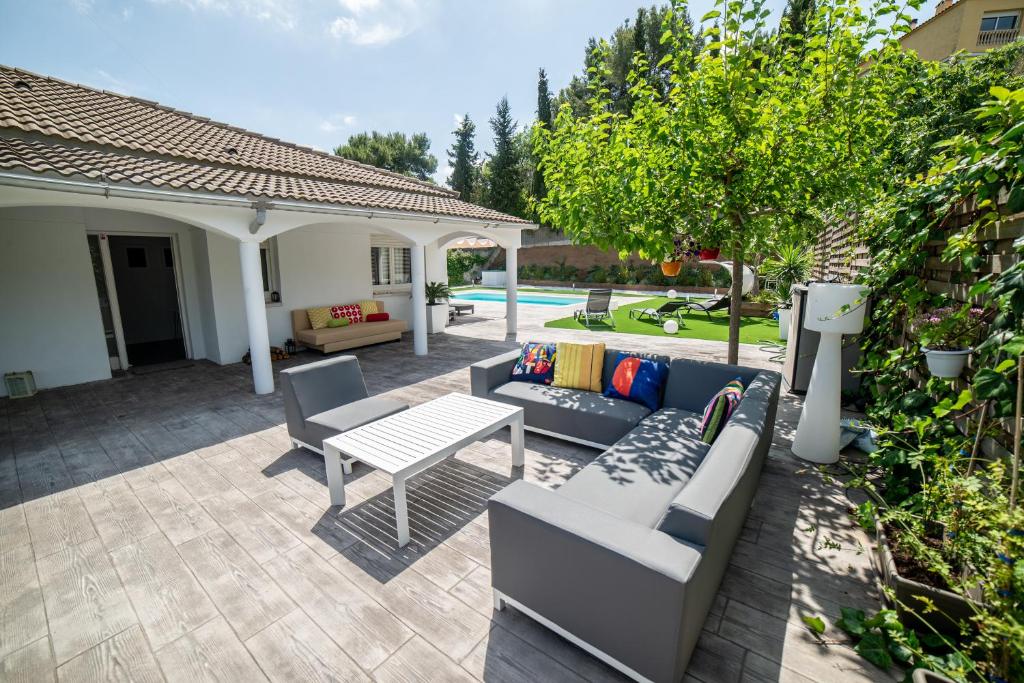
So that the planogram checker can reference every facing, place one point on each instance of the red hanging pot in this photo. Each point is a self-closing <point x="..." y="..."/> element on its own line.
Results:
<point x="709" y="254"/>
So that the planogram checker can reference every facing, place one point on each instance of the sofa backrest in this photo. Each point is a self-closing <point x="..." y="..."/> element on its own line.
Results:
<point x="300" y="321"/>
<point x="712" y="506"/>
<point x="315" y="387"/>
<point x="692" y="383"/>
<point x="609" y="362"/>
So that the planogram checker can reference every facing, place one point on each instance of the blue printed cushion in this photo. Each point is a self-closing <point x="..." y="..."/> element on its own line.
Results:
<point x="719" y="409"/>
<point x="536" y="364"/>
<point x="639" y="380"/>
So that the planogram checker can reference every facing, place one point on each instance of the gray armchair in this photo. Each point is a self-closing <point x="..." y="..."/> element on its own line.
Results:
<point x="328" y="397"/>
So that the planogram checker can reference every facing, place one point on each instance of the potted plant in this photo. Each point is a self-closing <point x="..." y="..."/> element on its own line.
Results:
<point x="437" y="306"/>
<point x="684" y="248"/>
<point x="791" y="264"/>
<point x="710" y="254"/>
<point x="946" y="335"/>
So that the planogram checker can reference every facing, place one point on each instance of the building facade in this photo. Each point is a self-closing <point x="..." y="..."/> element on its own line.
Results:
<point x="971" y="26"/>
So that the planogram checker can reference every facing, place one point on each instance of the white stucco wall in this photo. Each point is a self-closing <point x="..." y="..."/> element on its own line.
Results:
<point x="49" y="312"/>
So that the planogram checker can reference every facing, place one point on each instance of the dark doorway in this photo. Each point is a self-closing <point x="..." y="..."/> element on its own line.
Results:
<point x="147" y="294"/>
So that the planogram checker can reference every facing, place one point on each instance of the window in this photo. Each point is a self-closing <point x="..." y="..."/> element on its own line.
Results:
<point x="999" y="22"/>
<point x="136" y="257"/>
<point x="268" y="266"/>
<point x="390" y="268"/>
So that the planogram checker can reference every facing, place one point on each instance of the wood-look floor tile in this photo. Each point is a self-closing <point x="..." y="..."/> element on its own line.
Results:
<point x="119" y="517"/>
<point x="124" y="657"/>
<point x="295" y="649"/>
<point x="175" y="511"/>
<point x="85" y="601"/>
<point x="210" y="653"/>
<point x="244" y="593"/>
<point x="31" y="664"/>
<point x="168" y="599"/>
<point x="22" y="617"/>
<point x="420" y="662"/>
<point x="255" y="530"/>
<point x="57" y="521"/>
<point x="501" y="656"/>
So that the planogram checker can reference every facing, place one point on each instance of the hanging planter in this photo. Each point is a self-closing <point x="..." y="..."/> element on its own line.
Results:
<point x="709" y="254"/>
<point x="946" y="364"/>
<point x="671" y="268"/>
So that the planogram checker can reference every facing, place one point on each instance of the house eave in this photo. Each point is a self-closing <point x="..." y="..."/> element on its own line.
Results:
<point x="131" y="191"/>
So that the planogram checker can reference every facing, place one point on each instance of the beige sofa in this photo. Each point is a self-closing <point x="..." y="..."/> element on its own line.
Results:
<point x="330" y="339"/>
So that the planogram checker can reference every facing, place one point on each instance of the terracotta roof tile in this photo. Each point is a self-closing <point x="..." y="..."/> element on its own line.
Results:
<point x="119" y="166"/>
<point x="133" y="140"/>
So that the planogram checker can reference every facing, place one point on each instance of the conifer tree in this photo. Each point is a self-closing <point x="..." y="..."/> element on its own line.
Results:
<point x="463" y="158"/>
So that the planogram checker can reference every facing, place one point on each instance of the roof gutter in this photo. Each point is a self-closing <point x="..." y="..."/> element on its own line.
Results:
<point x="108" y="190"/>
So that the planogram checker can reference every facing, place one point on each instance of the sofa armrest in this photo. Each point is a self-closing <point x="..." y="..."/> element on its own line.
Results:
<point x="491" y="373"/>
<point x="615" y="584"/>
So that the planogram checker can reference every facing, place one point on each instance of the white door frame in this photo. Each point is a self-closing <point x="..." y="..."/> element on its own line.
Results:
<point x="115" y="308"/>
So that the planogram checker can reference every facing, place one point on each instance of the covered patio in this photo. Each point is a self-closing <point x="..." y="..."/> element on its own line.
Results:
<point x="161" y="526"/>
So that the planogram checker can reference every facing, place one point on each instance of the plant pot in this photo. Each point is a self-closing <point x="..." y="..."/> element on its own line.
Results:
<point x="946" y="364"/>
<point x="437" y="317"/>
<point x="951" y="608"/>
<point x="784" y="323"/>
<point x="671" y="268"/>
<point x="709" y="254"/>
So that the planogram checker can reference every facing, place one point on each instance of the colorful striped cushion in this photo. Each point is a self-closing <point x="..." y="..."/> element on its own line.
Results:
<point x="579" y="366"/>
<point x="719" y="409"/>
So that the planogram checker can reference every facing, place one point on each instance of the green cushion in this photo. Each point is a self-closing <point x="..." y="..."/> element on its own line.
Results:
<point x="337" y="322"/>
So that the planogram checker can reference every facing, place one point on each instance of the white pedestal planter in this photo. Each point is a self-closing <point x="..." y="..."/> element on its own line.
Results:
<point x="437" y="317"/>
<point x="817" y="434"/>
<point x="946" y="364"/>
<point x="784" y="323"/>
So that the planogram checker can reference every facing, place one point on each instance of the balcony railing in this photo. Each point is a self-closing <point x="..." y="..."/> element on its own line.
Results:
<point x="990" y="38"/>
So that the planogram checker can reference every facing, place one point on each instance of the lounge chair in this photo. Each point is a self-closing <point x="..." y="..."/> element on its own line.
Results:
<point x="328" y="397"/>
<point x="598" y="307"/>
<point x="716" y="303"/>
<point x="669" y="309"/>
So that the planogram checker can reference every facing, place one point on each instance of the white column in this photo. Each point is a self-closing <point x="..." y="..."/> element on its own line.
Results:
<point x="256" y="317"/>
<point x="511" y="280"/>
<point x="419" y="301"/>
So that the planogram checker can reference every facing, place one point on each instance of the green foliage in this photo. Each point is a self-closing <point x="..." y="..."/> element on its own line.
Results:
<point x="464" y="160"/>
<point x="543" y="119"/>
<point x="437" y="292"/>
<point x="460" y="262"/>
<point x="792" y="263"/>
<point x="393" y="151"/>
<point x="504" y="168"/>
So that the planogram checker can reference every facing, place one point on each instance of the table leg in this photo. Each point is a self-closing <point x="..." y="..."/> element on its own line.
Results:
<point x="401" y="513"/>
<point x="518" y="438"/>
<point x="335" y="478"/>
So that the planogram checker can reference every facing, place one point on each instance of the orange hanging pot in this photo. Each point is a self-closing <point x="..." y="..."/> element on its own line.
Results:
<point x="671" y="268"/>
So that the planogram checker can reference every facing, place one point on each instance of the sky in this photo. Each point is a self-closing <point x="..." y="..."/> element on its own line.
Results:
<point x="314" y="72"/>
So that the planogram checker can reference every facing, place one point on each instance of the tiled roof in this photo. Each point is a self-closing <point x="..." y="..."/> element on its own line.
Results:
<point x="119" y="167"/>
<point x="59" y="127"/>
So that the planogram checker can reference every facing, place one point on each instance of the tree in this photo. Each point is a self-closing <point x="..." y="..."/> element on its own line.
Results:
<point x="460" y="262"/>
<point x="504" y="170"/>
<point x="392" y="151"/>
<point x="797" y="17"/>
<point x="742" y="152"/>
<point x="543" y="119"/>
<point x="464" y="159"/>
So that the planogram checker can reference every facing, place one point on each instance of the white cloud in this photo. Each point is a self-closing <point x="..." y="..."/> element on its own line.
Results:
<point x="333" y="124"/>
<point x="82" y="6"/>
<point x="378" y="22"/>
<point x="127" y="13"/>
<point x="280" y="13"/>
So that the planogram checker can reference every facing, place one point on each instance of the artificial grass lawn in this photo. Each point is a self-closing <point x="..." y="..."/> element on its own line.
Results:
<point x="694" y="325"/>
<point x="542" y="290"/>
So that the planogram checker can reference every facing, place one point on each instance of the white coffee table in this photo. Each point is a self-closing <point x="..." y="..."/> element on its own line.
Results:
<point x="407" y="443"/>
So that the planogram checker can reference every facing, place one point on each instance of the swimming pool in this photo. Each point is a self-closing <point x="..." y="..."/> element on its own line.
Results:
<point x="523" y="298"/>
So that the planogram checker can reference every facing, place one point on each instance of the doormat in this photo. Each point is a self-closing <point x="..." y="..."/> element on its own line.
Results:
<point x="160" y="367"/>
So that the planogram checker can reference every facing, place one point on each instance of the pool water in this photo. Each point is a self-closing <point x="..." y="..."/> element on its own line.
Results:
<point x="523" y="298"/>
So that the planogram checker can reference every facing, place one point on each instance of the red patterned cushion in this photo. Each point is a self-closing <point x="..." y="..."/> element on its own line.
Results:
<point x="377" y="317"/>
<point x="350" y="311"/>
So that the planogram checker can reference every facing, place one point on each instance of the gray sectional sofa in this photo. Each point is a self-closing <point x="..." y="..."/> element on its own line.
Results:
<point x="625" y="558"/>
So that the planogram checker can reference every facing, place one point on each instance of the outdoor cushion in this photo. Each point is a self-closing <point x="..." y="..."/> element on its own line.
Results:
<point x="318" y="317"/>
<point x="536" y="364"/>
<point x="369" y="306"/>
<point x="719" y="409"/>
<point x="337" y="322"/>
<point x="612" y="355"/>
<point x="579" y="366"/>
<point x="349" y="416"/>
<point x="377" y="317"/>
<point x="640" y="380"/>
<point x="675" y="421"/>
<point x="328" y="335"/>
<point x="578" y="414"/>
<point x="350" y="311"/>
<point x="638" y="477"/>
